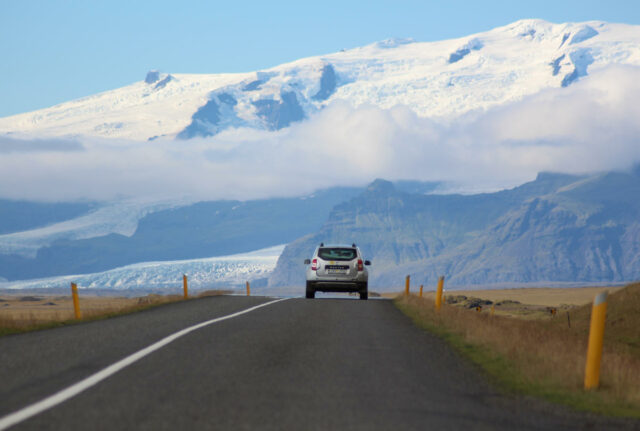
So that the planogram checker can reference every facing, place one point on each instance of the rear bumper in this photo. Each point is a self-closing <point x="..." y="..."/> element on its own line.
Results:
<point x="338" y="286"/>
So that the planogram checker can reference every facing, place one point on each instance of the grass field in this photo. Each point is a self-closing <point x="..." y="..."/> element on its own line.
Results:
<point x="545" y="296"/>
<point x="545" y="356"/>
<point x="22" y="313"/>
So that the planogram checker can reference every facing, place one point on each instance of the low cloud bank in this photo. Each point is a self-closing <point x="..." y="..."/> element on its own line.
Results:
<point x="9" y="144"/>
<point x="590" y="126"/>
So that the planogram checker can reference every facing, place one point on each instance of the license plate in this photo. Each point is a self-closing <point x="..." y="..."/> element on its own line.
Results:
<point x="336" y="271"/>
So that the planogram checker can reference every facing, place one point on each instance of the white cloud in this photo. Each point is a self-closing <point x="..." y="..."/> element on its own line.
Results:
<point x="592" y="125"/>
<point x="10" y="144"/>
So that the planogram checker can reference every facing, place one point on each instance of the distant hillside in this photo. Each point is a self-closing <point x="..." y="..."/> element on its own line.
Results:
<point x="16" y="216"/>
<point x="204" y="229"/>
<point x="556" y="228"/>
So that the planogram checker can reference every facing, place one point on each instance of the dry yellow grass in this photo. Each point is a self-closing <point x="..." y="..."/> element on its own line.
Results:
<point x="19" y="313"/>
<point x="622" y="328"/>
<point x="546" y="356"/>
<point x="545" y="296"/>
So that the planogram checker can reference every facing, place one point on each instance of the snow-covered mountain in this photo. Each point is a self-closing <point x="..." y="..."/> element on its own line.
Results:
<point x="436" y="79"/>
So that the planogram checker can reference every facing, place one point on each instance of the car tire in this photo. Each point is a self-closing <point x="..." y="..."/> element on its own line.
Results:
<point x="311" y="293"/>
<point x="364" y="291"/>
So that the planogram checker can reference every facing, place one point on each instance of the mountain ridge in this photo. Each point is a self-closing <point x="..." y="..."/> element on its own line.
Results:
<point x="435" y="79"/>
<point x="557" y="228"/>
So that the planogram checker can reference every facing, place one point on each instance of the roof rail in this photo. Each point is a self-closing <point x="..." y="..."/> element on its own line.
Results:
<point x="322" y="244"/>
<point x="353" y="245"/>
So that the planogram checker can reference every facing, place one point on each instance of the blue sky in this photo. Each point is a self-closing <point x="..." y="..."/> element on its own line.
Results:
<point x="55" y="51"/>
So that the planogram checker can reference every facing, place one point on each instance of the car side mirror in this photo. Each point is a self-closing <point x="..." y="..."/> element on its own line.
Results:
<point x="307" y="261"/>
<point x="367" y="262"/>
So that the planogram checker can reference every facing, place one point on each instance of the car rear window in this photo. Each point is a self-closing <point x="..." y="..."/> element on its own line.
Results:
<point x="331" y="253"/>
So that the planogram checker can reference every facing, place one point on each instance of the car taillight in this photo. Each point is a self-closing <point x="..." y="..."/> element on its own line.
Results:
<point x="314" y="265"/>
<point x="360" y="265"/>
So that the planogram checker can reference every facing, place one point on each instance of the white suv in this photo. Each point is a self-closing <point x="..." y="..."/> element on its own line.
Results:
<point x="337" y="268"/>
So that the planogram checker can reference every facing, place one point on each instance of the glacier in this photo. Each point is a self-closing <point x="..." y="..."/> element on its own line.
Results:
<point x="227" y="272"/>
<point x="440" y="80"/>
<point x="119" y="217"/>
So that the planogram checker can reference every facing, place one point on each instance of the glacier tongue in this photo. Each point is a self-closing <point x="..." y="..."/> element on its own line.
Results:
<point x="116" y="217"/>
<point x="215" y="272"/>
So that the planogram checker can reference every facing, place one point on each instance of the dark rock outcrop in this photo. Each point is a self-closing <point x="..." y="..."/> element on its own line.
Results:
<point x="203" y="122"/>
<point x="279" y="114"/>
<point x="327" y="83"/>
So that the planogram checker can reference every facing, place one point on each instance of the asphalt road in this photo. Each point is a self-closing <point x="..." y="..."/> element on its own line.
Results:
<point x="297" y="364"/>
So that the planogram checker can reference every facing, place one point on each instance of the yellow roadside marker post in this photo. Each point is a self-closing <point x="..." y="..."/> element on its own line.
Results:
<point x="406" y="285"/>
<point x="185" y="288"/>
<point x="439" y="293"/>
<point x="76" y="301"/>
<point x="421" y="291"/>
<point x="248" y="289"/>
<point x="493" y="309"/>
<point x="596" y="335"/>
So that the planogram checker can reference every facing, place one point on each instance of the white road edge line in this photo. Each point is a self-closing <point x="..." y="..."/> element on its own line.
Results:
<point x="73" y="390"/>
